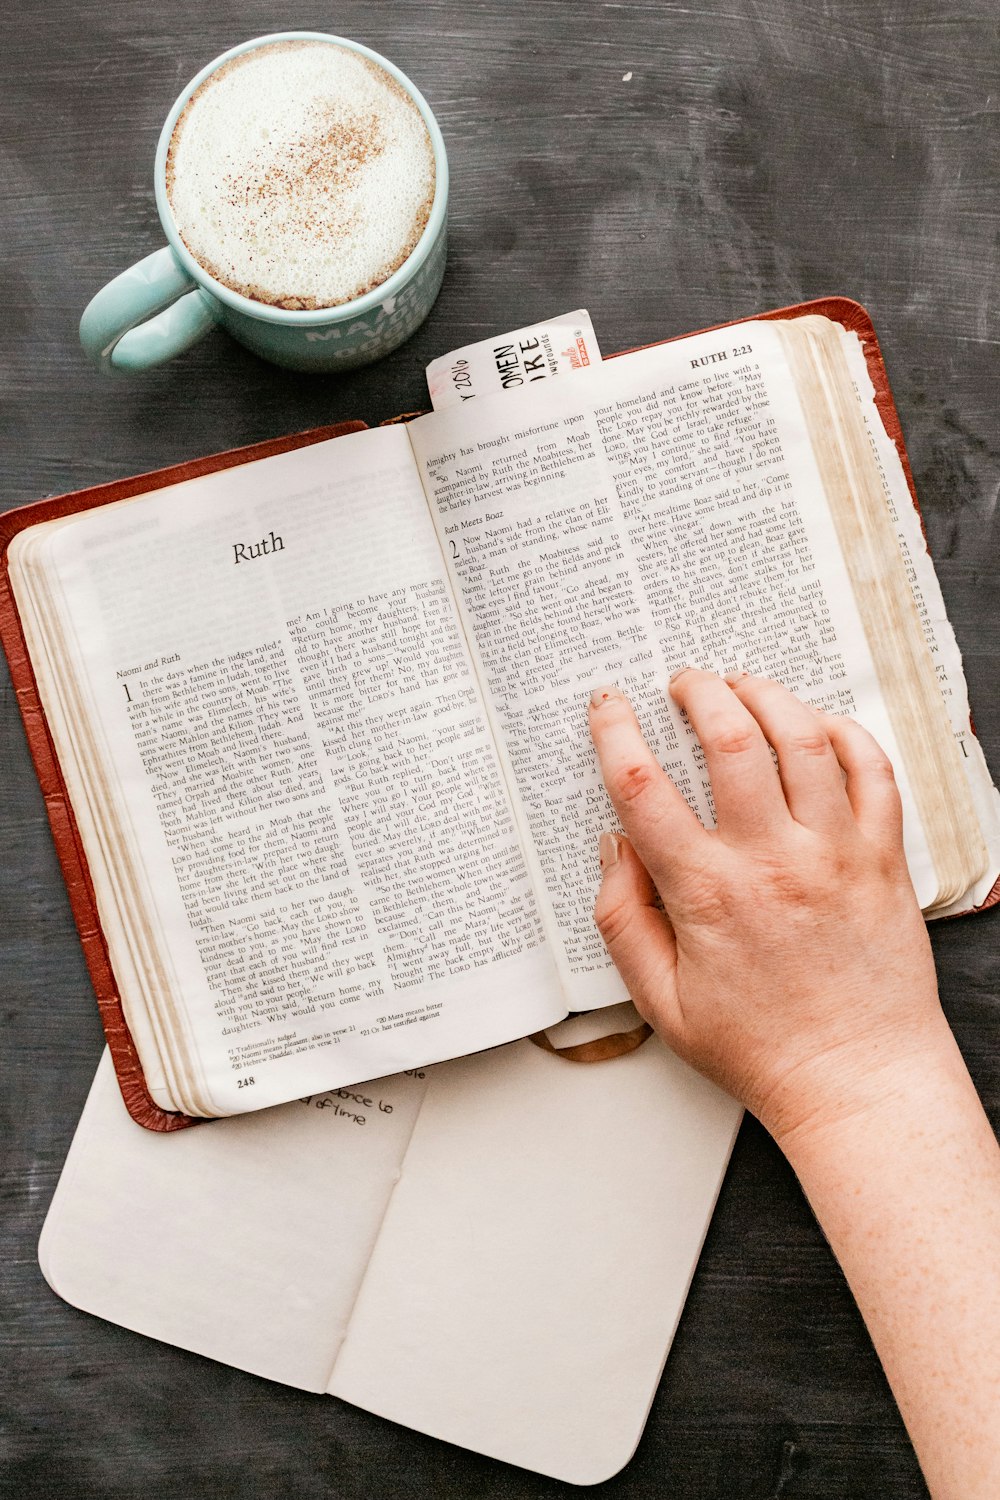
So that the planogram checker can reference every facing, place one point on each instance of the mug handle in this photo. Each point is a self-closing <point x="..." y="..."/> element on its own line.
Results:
<point x="144" y="317"/>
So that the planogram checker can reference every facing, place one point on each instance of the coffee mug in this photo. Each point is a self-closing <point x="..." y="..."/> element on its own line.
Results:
<point x="168" y="301"/>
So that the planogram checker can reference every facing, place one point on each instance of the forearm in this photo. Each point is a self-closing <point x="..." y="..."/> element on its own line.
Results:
<point x="785" y="957"/>
<point x="908" y="1194"/>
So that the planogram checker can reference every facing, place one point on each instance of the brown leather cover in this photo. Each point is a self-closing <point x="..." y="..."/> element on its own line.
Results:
<point x="64" y="828"/>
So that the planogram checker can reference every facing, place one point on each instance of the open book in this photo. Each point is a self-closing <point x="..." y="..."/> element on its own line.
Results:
<point x="496" y="1255"/>
<point x="321" y="718"/>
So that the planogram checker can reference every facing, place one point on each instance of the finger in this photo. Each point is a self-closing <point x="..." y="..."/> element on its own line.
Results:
<point x="749" y="801"/>
<point x="870" y="782"/>
<point x="636" y="932"/>
<point x="652" y="811"/>
<point x="807" y="763"/>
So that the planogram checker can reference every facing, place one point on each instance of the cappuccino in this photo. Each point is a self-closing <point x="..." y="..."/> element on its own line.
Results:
<point x="300" y="174"/>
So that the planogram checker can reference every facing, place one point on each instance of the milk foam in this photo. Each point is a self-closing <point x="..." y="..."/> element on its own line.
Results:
<point x="300" y="174"/>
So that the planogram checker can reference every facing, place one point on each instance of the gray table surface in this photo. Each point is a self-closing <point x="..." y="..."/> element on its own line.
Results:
<point x="760" y="152"/>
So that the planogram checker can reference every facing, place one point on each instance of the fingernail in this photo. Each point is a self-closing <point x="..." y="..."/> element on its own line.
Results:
<point x="734" y="677"/>
<point x="679" y="673"/>
<point x="609" y="848"/>
<point x="602" y="694"/>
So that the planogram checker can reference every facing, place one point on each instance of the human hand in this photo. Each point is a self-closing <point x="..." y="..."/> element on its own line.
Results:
<point x="789" y="962"/>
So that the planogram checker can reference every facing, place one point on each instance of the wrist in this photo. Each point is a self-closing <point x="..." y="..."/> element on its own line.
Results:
<point x="863" y="1088"/>
<point x="905" y="1185"/>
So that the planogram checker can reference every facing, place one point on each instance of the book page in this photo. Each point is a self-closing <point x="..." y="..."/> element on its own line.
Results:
<point x="495" y="1252"/>
<point x="244" y="1240"/>
<point x="869" y="541"/>
<point x="937" y="628"/>
<point x="663" y="509"/>
<point x="288" y="731"/>
<point x="536" y="1254"/>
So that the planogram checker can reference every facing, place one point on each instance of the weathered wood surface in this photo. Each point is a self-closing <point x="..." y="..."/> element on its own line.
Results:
<point x="761" y="152"/>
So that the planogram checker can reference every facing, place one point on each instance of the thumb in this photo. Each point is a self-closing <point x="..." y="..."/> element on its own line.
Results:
<point x="637" y="932"/>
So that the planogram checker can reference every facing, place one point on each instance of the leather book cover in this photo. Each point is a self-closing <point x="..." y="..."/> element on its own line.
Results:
<point x="63" y="823"/>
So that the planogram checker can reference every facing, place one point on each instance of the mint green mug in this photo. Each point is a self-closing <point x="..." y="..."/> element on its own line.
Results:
<point x="167" y="302"/>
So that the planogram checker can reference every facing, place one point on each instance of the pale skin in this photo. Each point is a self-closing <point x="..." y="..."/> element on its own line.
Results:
<point x="784" y="955"/>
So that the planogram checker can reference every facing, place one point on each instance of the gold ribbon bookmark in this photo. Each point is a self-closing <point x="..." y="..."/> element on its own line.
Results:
<point x="616" y="1044"/>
